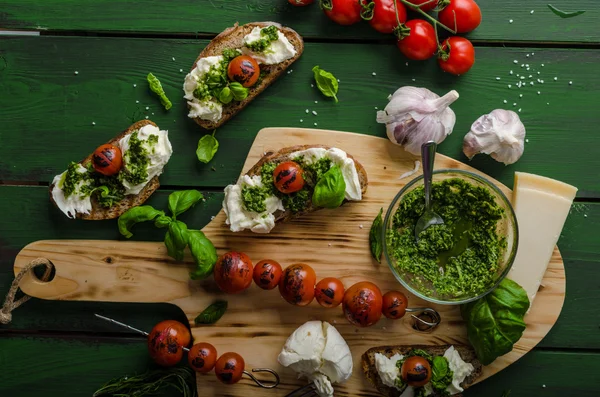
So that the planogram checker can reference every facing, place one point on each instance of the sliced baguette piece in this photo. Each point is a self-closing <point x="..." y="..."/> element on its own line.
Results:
<point x="100" y="213"/>
<point x="368" y="364"/>
<point x="233" y="37"/>
<point x="284" y="155"/>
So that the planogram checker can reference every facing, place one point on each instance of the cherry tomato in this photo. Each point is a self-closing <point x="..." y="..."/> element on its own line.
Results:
<point x="300" y="3"/>
<point x="342" y="12"/>
<point x="420" y="43"/>
<point x="202" y="357"/>
<point x="297" y="284"/>
<point x="394" y="304"/>
<point x="233" y="272"/>
<point x="288" y="177"/>
<point x="431" y="4"/>
<point x="457" y="55"/>
<point x="362" y="304"/>
<point x="329" y="292"/>
<point x="244" y="69"/>
<point x="416" y="371"/>
<point x="230" y="368"/>
<point x="107" y="159"/>
<point x="468" y="15"/>
<point x="166" y="340"/>
<point x="384" y="15"/>
<point x="267" y="274"/>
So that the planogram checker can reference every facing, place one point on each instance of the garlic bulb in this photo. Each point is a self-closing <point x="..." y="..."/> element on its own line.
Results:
<point x="500" y="134"/>
<point x="416" y="115"/>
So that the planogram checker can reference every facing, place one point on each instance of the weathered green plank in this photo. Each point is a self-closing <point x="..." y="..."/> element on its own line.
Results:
<point x="47" y="115"/>
<point x="77" y="368"/>
<point x="212" y="16"/>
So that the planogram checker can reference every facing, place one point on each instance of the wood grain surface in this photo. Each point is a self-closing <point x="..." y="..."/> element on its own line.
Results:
<point x="333" y="242"/>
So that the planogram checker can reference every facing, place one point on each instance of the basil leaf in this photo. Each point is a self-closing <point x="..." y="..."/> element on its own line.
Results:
<point x="375" y="237"/>
<point x="564" y="14"/>
<point x="181" y="201"/>
<point x="204" y="254"/>
<point x="212" y="313"/>
<point x="171" y="249"/>
<point x="163" y="221"/>
<point x="495" y="322"/>
<point x="156" y="87"/>
<point x="238" y="91"/>
<point x="330" y="190"/>
<point x="207" y="147"/>
<point x="177" y="237"/>
<point x="441" y="375"/>
<point x="326" y="82"/>
<point x="225" y="96"/>
<point x="135" y="215"/>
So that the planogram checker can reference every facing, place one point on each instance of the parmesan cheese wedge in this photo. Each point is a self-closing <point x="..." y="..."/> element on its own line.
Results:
<point x="541" y="206"/>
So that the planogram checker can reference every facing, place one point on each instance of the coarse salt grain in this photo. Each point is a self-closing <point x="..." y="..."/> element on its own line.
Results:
<point x="539" y="93"/>
<point x="509" y="86"/>
<point x="93" y="123"/>
<point x="520" y="95"/>
<point x="510" y="21"/>
<point x="527" y="55"/>
<point x="315" y="124"/>
<point x="414" y="80"/>
<point x="147" y="108"/>
<point x="505" y="101"/>
<point x="527" y="140"/>
<point x="312" y="85"/>
<point x="532" y="11"/>
<point x="519" y="110"/>
<point x="76" y="72"/>
<point x="570" y="83"/>
<point x="374" y="74"/>
<point x="316" y="101"/>
<point x="515" y="61"/>
<point x="338" y="80"/>
<point x="314" y="112"/>
<point x="556" y="79"/>
<point x="360" y="226"/>
<point x="497" y="78"/>
<point x="301" y="120"/>
<point x="135" y="85"/>
<point x="531" y="83"/>
<point x="511" y="72"/>
<point x="173" y="58"/>
<point x="146" y="116"/>
<point x="515" y="104"/>
<point x="542" y="65"/>
<point x="306" y="110"/>
<point x="180" y="70"/>
<point x="137" y="101"/>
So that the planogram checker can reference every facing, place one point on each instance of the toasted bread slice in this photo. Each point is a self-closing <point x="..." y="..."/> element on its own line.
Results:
<point x="284" y="155"/>
<point x="370" y="371"/>
<point x="233" y="38"/>
<point x="100" y="213"/>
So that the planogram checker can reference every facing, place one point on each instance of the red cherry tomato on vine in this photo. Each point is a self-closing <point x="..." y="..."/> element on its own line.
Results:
<point x="457" y="55"/>
<point x="267" y="274"/>
<point x="202" y="357"/>
<point x="244" y="69"/>
<point x="329" y="292"/>
<point x="416" y="371"/>
<point x="300" y="3"/>
<point x="468" y="15"/>
<point x="233" y="272"/>
<point x="384" y="15"/>
<point x="166" y="340"/>
<point x="297" y="284"/>
<point x="288" y="177"/>
<point x="342" y="12"/>
<point x="107" y="159"/>
<point x="420" y="43"/>
<point x="431" y="4"/>
<point x="230" y="368"/>
<point x="362" y="304"/>
<point x="394" y="304"/>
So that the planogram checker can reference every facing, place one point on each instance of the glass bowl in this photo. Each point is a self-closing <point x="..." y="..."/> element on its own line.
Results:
<point x="506" y="227"/>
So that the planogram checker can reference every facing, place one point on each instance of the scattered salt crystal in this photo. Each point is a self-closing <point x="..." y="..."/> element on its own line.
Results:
<point x="312" y="85"/>
<point x="180" y="70"/>
<point x="146" y="116"/>
<point x="497" y="78"/>
<point x="515" y="104"/>
<point x="526" y="65"/>
<point x="360" y="226"/>
<point x="522" y="65"/>
<point x="585" y="215"/>
<point x="135" y="85"/>
<point x="315" y="124"/>
<point x="376" y="108"/>
<point x="531" y="11"/>
<point x="533" y="53"/>
<point x="137" y="101"/>
<point x="521" y="96"/>
<point x="330" y="246"/>
<point x="527" y="55"/>
<point x="543" y="385"/>
<point x="147" y="108"/>
<point x="93" y="123"/>
<point x="314" y="112"/>
<point x="547" y="103"/>
<point x="510" y="21"/>
<point x="505" y="101"/>
<point x="76" y="72"/>
<point x="542" y="65"/>
<point x="515" y="61"/>
<point x="541" y="81"/>
<point x="173" y="58"/>
<point x="556" y="79"/>
<point x="527" y="140"/>
<point x="406" y="63"/>
<point x="212" y="218"/>
<point x="414" y="80"/>
<point x="522" y="77"/>
<point x="531" y="83"/>
<point x="519" y="110"/>
<point x="509" y="86"/>
<point x="301" y="120"/>
<point x="539" y="72"/>
<point x="338" y="80"/>
<point x="374" y="74"/>
<point x="306" y="110"/>
<point x="539" y="93"/>
<point x="511" y="72"/>
<point x="316" y="101"/>
<point x="570" y="83"/>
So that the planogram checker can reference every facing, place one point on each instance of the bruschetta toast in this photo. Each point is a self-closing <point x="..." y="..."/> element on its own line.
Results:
<point x="235" y="67"/>
<point x="120" y="174"/>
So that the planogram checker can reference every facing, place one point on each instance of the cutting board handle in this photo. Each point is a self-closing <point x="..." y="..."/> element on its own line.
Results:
<point x="108" y="271"/>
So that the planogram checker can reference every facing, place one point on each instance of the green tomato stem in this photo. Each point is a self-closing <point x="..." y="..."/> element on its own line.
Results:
<point x="426" y="15"/>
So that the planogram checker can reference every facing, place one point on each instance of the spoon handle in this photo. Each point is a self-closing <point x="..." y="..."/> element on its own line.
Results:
<point x="428" y="150"/>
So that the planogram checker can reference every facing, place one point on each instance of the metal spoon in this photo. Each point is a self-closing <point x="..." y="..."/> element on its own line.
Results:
<point x="429" y="217"/>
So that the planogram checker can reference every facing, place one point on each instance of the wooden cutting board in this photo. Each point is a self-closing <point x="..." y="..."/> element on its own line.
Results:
<point x="334" y="242"/>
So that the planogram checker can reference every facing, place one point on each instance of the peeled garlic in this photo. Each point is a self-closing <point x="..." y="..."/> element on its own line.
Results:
<point x="500" y="134"/>
<point x="416" y="115"/>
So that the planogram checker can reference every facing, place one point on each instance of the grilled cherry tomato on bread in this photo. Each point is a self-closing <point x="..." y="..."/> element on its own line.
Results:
<point x="297" y="284"/>
<point x="329" y="292"/>
<point x="394" y="304"/>
<point x="416" y="371"/>
<point x="342" y="12"/>
<point x="166" y="340"/>
<point x="425" y="5"/>
<point x="233" y="272"/>
<point x="362" y="304"/>
<point x="244" y="69"/>
<point x="107" y="159"/>
<point x="267" y="274"/>
<point x="230" y="368"/>
<point x="288" y="177"/>
<point x="202" y="357"/>
<point x="418" y="42"/>
<point x="300" y="3"/>
<point x="457" y="55"/>
<point x="466" y="12"/>
<point x="382" y="17"/>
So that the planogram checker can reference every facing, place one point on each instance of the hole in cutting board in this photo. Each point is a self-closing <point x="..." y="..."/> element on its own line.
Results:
<point x="37" y="273"/>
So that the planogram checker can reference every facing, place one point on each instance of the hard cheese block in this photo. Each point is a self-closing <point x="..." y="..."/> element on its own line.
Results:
<point x="541" y="205"/>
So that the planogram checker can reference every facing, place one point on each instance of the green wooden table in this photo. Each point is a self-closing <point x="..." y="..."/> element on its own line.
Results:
<point x="82" y="79"/>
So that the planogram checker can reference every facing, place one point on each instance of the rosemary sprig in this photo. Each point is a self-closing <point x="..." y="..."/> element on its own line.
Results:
<point x="150" y="382"/>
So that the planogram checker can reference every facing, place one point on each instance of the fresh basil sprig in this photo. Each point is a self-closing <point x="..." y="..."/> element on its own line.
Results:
<point x="238" y="91"/>
<point x="326" y="82"/>
<point x="212" y="313"/>
<point x="207" y="147"/>
<point x="178" y="236"/>
<point x="156" y="87"/>
<point x="375" y="237"/>
<point x="330" y="190"/>
<point x="564" y="14"/>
